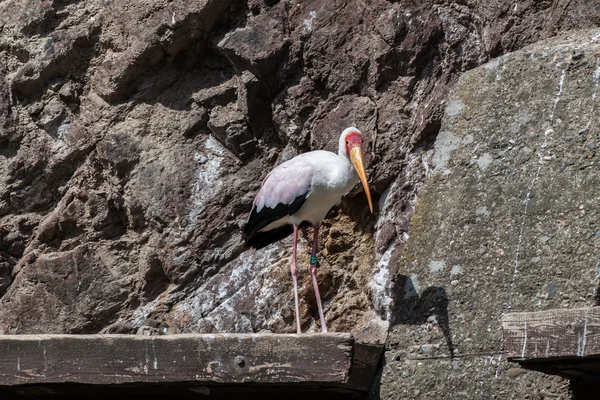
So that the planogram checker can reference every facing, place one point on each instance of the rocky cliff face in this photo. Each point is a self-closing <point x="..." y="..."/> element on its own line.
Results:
<point x="506" y="220"/>
<point x="133" y="137"/>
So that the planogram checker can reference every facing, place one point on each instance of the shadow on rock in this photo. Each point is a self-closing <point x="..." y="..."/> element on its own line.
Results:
<point x="584" y="389"/>
<point x="411" y="309"/>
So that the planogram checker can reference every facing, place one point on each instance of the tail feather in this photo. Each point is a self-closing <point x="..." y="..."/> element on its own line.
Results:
<point x="262" y="239"/>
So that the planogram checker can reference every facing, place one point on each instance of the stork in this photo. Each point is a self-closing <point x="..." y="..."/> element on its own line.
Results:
<point x="300" y="192"/>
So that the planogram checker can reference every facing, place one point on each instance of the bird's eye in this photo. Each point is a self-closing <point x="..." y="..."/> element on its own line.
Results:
<point x="347" y="142"/>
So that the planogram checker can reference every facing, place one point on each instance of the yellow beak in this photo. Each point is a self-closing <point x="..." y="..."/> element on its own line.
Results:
<point x="356" y="157"/>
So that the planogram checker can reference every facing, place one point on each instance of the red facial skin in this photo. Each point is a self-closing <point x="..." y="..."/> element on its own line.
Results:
<point x="353" y="139"/>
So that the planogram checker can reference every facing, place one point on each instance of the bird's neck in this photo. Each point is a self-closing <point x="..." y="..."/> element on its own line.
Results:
<point x="347" y="172"/>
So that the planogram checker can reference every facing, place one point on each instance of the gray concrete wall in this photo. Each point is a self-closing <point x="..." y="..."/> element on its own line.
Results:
<point x="507" y="220"/>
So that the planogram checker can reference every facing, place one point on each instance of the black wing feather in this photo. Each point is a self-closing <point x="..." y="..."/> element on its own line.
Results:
<point x="266" y="216"/>
<point x="262" y="239"/>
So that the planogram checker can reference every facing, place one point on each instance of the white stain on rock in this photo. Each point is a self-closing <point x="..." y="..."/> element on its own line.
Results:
<point x="380" y="285"/>
<point x="559" y="94"/>
<point x="496" y="65"/>
<point x="456" y="270"/>
<point x="543" y="151"/>
<point x="454" y="108"/>
<point x="141" y="313"/>
<point x="308" y="23"/>
<point x="468" y="139"/>
<point x="520" y="122"/>
<point x="63" y="130"/>
<point x="592" y="40"/>
<point x="437" y="266"/>
<point x="444" y="146"/>
<point x="482" y="212"/>
<point x="484" y="161"/>
<point x="596" y="78"/>
<point x="207" y="179"/>
<point x="222" y="303"/>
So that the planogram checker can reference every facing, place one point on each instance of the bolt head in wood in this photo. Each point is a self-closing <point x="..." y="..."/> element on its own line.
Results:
<point x="239" y="360"/>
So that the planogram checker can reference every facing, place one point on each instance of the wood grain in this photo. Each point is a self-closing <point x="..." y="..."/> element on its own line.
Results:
<point x="552" y="334"/>
<point x="365" y="361"/>
<point x="218" y="358"/>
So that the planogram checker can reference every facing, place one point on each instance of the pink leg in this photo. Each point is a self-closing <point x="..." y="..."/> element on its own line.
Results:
<point x="313" y="274"/>
<point x="295" y="279"/>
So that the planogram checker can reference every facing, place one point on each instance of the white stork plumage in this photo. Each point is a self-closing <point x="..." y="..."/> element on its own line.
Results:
<point x="301" y="191"/>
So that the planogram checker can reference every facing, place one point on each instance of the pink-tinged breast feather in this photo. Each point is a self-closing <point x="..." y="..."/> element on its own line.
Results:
<point x="284" y="184"/>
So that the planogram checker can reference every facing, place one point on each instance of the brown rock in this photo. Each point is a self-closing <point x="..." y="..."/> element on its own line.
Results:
<point x="52" y="115"/>
<point x="6" y="124"/>
<point x="229" y="126"/>
<point x="515" y="372"/>
<point x="157" y="31"/>
<point x="260" y="46"/>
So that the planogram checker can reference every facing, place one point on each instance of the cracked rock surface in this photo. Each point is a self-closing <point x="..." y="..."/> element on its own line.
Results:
<point x="134" y="135"/>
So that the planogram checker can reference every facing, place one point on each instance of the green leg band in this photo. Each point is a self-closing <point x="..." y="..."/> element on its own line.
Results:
<point x="314" y="261"/>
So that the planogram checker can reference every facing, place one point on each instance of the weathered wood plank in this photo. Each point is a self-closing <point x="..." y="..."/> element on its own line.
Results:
<point x="180" y="391"/>
<point x="552" y="334"/>
<point x="218" y="358"/>
<point x="365" y="360"/>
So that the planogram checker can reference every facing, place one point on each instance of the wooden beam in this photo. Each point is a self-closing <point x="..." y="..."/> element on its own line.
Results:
<point x="203" y="358"/>
<point x="365" y="361"/>
<point x="552" y="334"/>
